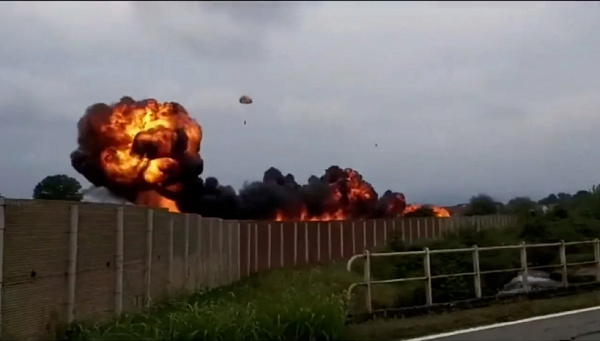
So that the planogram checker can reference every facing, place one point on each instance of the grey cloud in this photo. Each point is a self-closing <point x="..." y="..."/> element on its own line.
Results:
<point x="460" y="99"/>
<point x="230" y="31"/>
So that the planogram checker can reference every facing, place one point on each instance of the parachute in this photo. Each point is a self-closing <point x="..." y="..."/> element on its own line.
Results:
<point x="245" y="100"/>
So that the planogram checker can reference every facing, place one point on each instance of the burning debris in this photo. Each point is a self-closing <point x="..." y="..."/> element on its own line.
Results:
<point x="148" y="153"/>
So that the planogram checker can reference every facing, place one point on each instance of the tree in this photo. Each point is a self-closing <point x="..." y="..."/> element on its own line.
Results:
<point x="58" y="187"/>
<point x="521" y="205"/>
<point x="581" y="196"/>
<point x="482" y="204"/>
<point x="550" y="199"/>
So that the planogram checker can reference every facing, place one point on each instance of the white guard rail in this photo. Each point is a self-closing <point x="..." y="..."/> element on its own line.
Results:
<point x="476" y="273"/>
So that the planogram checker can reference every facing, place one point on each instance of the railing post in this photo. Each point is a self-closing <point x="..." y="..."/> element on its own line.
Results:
<point x="427" y="270"/>
<point x="476" y="271"/>
<point x="524" y="272"/>
<point x="562" y="253"/>
<point x="597" y="258"/>
<point x="367" y="278"/>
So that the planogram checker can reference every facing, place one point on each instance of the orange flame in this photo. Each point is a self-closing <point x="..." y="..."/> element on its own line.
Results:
<point x="305" y="216"/>
<point x="439" y="212"/>
<point x="145" y="141"/>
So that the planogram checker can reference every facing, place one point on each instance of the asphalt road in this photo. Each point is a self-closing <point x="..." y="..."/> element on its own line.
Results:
<point x="579" y="326"/>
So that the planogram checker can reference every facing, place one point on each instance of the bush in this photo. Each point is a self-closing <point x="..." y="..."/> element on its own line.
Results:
<point x="566" y="223"/>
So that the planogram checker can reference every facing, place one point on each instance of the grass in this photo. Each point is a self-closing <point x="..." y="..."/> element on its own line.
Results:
<point x="307" y="304"/>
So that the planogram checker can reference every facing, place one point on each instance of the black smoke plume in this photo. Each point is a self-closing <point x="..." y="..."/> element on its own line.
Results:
<point x="335" y="190"/>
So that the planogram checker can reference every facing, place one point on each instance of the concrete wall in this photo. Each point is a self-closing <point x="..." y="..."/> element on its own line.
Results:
<point x="78" y="261"/>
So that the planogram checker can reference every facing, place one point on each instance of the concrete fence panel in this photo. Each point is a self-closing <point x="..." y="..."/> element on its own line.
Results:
<point x="162" y="260"/>
<point x="95" y="267"/>
<point x="36" y="252"/>
<point x="65" y="261"/>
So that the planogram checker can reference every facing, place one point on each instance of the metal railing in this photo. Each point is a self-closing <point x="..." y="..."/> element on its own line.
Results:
<point x="476" y="273"/>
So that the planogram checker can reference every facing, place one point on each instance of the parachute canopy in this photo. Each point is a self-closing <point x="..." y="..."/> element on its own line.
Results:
<point x="245" y="100"/>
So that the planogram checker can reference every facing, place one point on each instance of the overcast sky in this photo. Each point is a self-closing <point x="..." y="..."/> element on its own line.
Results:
<point x="460" y="98"/>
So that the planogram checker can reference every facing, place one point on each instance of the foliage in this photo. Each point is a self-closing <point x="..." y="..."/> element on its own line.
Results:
<point x="280" y="305"/>
<point x="482" y="204"/>
<point x="520" y="206"/>
<point x="573" y="220"/>
<point x="58" y="187"/>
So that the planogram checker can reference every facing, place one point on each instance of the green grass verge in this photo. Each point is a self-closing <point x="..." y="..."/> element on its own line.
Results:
<point x="300" y="304"/>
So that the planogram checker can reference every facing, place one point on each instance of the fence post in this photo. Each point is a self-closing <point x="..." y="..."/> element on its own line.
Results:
<point x="186" y="249"/>
<point x="353" y="238"/>
<point x="427" y="270"/>
<point x="281" y="260"/>
<point x="199" y="260"/>
<point x="72" y="264"/>
<point x="239" y="249"/>
<point x="319" y="242"/>
<point x="365" y="234"/>
<point x="256" y="248"/>
<point x="295" y="244"/>
<point x="269" y="246"/>
<point x="230" y="251"/>
<point x="2" y="227"/>
<point x="597" y="258"/>
<point x="170" y="255"/>
<point x="329" y="240"/>
<point x="367" y="278"/>
<point x="341" y="241"/>
<point x="221" y="254"/>
<point x="476" y="271"/>
<point x="119" y="264"/>
<point x="385" y="232"/>
<point x="563" y="263"/>
<point x="148" y="277"/>
<point x="374" y="233"/>
<point x="524" y="272"/>
<point x="306" y="248"/>
<point x="248" y="245"/>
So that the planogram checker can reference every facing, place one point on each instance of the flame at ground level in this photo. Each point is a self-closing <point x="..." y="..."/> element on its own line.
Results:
<point x="438" y="212"/>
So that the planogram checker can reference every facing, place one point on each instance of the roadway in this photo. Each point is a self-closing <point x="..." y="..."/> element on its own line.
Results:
<point x="576" y="325"/>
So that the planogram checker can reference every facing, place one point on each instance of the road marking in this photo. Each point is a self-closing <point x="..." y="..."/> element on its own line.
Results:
<point x="503" y="324"/>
